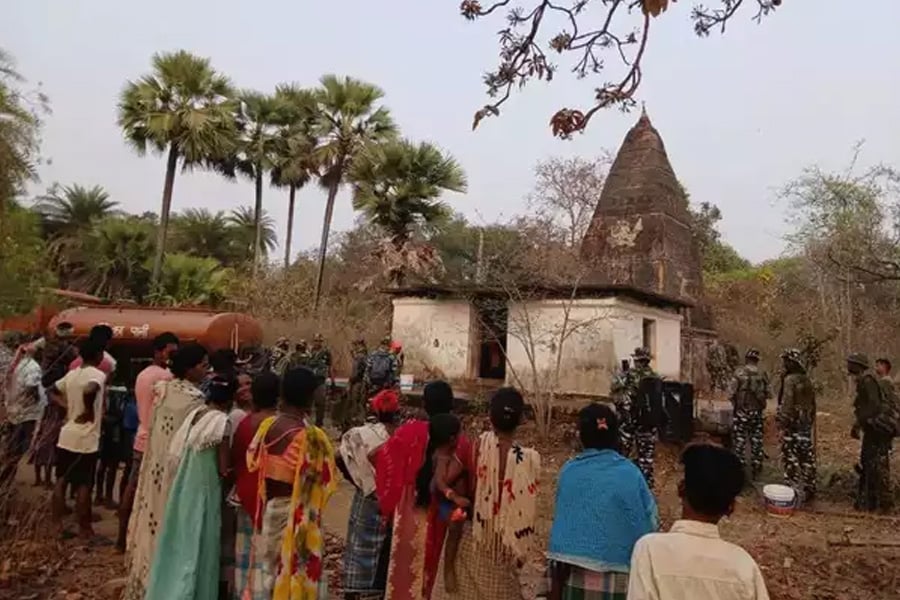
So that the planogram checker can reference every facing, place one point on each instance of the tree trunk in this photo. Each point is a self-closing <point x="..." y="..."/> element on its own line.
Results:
<point x="292" y="194"/>
<point x="323" y="248"/>
<point x="257" y="221"/>
<point x="163" y="229"/>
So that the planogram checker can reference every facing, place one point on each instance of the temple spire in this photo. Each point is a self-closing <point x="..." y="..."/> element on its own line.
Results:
<point x="640" y="234"/>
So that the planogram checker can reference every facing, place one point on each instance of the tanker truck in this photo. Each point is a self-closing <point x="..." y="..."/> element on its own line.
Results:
<point x="134" y="328"/>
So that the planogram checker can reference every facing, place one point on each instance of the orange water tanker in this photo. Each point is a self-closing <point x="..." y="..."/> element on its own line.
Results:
<point x="134" y="327"/>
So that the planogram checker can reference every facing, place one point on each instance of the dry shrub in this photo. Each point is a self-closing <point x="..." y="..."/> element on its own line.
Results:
<point x="796" y="302"/>
<point x="283" y="301"/>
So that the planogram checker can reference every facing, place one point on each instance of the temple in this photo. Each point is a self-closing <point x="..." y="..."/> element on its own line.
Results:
<point x="644" y="288"/>
<point x="641" y="235"/>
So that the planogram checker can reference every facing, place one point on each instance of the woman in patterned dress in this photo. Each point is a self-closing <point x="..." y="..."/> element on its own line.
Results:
<point x="297" y="476"/>
<point x="495" y="544"/>
<point x="173" y="401"/>
<point x="402" y="484"/>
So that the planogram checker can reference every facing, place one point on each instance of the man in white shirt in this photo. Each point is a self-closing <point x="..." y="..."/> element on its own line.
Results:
<point x="81" y="391"/>
<point x="24" y="407"/>
<point x="692" y="562"/>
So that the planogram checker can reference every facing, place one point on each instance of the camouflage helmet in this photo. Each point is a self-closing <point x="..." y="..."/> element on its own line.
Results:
<point x="793" y="355"/>
<point x="318" y="338"/>
<point x="641" y="354"/>
<point x="858" y="358"/>
<point x="752" y="354"/>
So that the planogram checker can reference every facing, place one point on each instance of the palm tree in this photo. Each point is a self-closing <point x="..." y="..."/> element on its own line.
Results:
<point x="183" y="109"/>
<point x="349" y="122"/>
<point x="258" y="145"/>
<point x="66" y="210"/>
<point x="244" y="230"/>
<point x="111" y="258"/>
<point x="294" y="164"/>
<point x="201" y="232"/>
<point x="397" y="186"/>
<point x="19" y="132"/>
<point x="192" y="280"/>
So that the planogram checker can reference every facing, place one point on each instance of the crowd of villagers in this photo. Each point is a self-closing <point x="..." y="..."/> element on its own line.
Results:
<point x="230" y="479"/>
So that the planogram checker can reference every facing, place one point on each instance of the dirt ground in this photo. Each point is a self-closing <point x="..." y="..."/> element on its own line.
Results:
<point x="826" y="552"/>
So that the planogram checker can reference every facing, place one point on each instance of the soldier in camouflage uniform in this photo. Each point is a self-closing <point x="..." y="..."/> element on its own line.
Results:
<point x="876" y="419"/>
<point x="796" y="416"/>
<point x="280" y="353"/>
<point x="631" y="431"/>
<point x="382" y="369"/>
<point x="749" y="392"/>
<point x="352" y="408"/>
<point x="319" y="362"/>
<point x="622" y="400"/>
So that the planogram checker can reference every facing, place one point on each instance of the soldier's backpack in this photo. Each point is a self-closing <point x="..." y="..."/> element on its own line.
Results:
<point x="752" y="391"/>
<point x="648" y="405"/>
<point x="381" y="368"/>
<point x="888" y="419"/>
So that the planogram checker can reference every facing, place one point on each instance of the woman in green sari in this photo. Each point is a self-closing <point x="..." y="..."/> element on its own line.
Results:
<point x="187" y="561"/>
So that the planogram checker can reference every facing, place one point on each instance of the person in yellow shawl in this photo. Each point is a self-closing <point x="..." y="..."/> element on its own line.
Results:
<point x="297" y="476"/>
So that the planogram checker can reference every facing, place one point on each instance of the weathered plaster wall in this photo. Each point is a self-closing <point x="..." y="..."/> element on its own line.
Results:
<point x="604" y="331"/>
<point x="435" y="335"/>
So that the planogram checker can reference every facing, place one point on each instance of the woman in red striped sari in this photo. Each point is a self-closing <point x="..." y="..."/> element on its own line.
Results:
<point x="403" y="477"/>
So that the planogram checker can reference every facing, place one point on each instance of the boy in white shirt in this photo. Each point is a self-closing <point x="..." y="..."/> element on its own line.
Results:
<point x="692" y="562"/>
<point x="81" y="392"/>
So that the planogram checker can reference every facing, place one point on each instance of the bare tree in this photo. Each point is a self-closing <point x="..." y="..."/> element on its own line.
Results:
<point x="567" y="191"/>
<point x="598" y="37"/>
<point x="540" y="296"/>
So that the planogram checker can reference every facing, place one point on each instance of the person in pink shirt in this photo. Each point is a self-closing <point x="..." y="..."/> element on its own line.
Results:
<point x="163" y="346"/>
<point x="103" y="334"/>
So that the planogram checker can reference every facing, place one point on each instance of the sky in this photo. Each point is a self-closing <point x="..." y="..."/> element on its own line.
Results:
<point x="740" y="114"/>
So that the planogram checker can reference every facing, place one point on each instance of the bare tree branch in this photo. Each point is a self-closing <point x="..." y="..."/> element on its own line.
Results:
<point x="624" y="28"/>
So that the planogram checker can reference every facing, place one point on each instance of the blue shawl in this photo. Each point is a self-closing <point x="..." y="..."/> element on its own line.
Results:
<point x="603" y="506"/>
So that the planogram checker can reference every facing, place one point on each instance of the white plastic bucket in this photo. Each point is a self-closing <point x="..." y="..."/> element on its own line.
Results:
<point x="406" y="382"/>
<point x="781" y="500"/>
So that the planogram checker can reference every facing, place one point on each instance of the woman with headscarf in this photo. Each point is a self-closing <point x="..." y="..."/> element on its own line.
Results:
<point x="248" y="575"/>
<point x="295" y="464"/>
<point x="603" y="507"/>
<point x="403" y="482"/>
<point x="186" y="565"/>
<point x="173" y="401"/>
<point x="495" y="543"/>
<point x="368" y="546"/>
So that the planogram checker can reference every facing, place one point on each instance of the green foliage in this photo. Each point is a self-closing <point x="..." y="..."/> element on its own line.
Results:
<point x="350" y="120"/>
<point x="848" y="222"/>
<point x="397" y="186"/>
<point x="242" y="223"/>
<point x="294" y="165"/>
<point x="204" y="233"/>
<point x="110" y="259"/>
<point x="192" y="281"/>
<point x="299" y="114"/>
<point x="183" y="104"/>
<point x="20" y="125"/>
<point x="717" y="256"/>
<point x="23" y="262"/>
<point x="69" y="209"/>
<point x="513" y="251"/>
